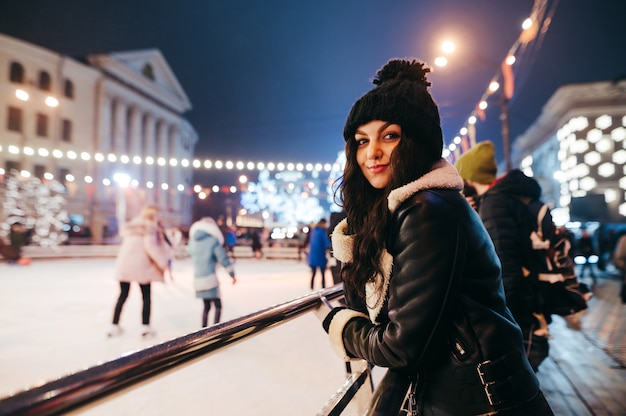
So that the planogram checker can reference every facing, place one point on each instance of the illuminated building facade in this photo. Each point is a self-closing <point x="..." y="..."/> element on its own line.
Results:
<point x="111" y="129"/>
<point x="576" y="149"/>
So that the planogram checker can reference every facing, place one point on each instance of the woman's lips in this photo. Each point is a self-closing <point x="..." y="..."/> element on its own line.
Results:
<point x="377" y="169"/>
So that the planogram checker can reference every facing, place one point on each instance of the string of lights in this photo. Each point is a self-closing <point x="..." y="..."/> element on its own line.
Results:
<point x="540" y="15"/>
<point x="198" y="164"/>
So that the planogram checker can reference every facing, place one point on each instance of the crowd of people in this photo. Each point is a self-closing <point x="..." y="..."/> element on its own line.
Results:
<point x="147" y="249"/>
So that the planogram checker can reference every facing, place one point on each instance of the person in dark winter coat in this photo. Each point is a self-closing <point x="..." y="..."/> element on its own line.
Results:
<point x="585" y="248"/>
<point x="257" y="245"/>
<point x="422" y="280"/>
<point x="503" y="206"/>
<point x="335" y="266"/>
<point x="319" y="245"/>
<point x="18" y="238"/>
<point x="206" y="249"/>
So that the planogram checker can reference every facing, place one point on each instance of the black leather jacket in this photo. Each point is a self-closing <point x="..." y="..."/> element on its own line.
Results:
<point x="504" y="211"/>
<point x="444" y="311"/>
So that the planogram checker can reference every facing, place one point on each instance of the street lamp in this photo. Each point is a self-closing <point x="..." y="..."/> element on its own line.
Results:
<point x="448" y="47"/>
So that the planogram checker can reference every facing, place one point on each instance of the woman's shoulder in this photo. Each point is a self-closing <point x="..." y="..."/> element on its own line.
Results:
<point x="443" y="176"/>
<point x="139" y="226"/>
<point x="441" y="201"/>
<point x="439" y="208"/>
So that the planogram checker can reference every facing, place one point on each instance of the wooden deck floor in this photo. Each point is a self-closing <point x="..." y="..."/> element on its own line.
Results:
<point x="586" y="371"/>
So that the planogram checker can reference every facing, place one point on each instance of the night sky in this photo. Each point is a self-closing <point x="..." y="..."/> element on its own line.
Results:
<point x="274" y="80"/>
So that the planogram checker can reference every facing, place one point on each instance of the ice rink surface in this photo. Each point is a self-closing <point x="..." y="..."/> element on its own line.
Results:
<point x="54" y="315"/>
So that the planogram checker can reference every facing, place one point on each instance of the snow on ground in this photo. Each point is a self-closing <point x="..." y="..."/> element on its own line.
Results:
<point x="54" y="316"/>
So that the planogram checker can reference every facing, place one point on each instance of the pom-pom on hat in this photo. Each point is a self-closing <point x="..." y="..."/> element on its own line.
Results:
<point x="478" y="164"/>
<point x="400" y="97"/>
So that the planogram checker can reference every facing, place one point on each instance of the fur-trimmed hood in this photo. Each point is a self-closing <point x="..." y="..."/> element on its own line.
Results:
<point x="209" y="226"/>
<point x="442" y="176"/>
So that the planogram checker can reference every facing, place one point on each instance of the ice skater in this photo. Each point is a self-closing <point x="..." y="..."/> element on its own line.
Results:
<point x="206" y="248"/>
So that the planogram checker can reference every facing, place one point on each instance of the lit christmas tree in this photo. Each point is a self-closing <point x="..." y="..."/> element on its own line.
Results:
<point x="38" y="205"/>
<point x="289" y="196"/>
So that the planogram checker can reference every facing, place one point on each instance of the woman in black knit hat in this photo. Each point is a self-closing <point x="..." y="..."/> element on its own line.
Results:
<point x="421" y="278"/>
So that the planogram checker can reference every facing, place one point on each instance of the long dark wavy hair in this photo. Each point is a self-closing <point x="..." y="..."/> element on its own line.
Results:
<point x="366" y="207"/>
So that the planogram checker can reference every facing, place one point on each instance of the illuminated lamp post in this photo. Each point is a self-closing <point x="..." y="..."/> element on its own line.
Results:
<point x="448" y="47"/>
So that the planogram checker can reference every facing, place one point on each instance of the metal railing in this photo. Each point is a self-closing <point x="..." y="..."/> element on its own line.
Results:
<point x="111" y="250"/>
<point x="97" y="382"/>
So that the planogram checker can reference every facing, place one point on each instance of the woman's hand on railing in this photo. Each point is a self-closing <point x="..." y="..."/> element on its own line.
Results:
<point x="326" y="311"/>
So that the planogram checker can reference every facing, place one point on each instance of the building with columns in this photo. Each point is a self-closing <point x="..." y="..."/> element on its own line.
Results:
<point x="111" y="128"/>
<point x="576" y="149"/>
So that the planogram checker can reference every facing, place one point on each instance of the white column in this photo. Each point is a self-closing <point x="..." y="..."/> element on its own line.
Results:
<point x="176" y="176"/>
<point x="104" y="146"/>
<point x="162" y="152"/>
<point x="119" y="128"/>
<point x="134" y="138"/>
<point x="149" y="149"/>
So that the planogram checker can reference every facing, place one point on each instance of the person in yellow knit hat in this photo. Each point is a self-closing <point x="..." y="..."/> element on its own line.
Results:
<point x="503" y="205"/>
<point x="478" y="169"/>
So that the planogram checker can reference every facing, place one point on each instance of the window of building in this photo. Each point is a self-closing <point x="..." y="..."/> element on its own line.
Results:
<point x="44" y="81"/>
<point x="148" y="72"/>
<point x="68" y="89"/>
<point x="40" y="170"/>
<point x="66" y="130"/>
<point x="42" y="125"/>
<point x="16" y="73"/>
<point x="12" y="167"/>
<point x="14" y="120"/>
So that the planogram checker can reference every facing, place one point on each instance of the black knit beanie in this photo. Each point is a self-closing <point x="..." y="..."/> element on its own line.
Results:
<point x="400" y="97"/>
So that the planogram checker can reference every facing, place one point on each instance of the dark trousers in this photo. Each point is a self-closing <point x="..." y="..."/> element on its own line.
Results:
<point x="145" y="294"/>
<point x="207" y="307"/>
<point x="590" y="267"/>
<point x="314" y="272"/>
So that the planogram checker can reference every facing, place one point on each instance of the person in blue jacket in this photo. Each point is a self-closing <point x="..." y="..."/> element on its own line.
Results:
<point x="206" y="248"/>
<point x="319" y="245"/>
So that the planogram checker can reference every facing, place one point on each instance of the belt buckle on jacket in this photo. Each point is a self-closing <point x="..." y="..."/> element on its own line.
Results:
<point x="486" y="384"/>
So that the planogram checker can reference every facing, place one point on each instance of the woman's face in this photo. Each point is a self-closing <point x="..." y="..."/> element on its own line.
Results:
<point x="375" y="142"/>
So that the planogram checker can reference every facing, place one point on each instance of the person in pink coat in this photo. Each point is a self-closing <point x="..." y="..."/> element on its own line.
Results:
<point x="143" y="258"/>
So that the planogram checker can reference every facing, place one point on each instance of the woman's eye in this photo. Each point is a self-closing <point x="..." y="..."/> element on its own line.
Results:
<point x="391" y="135"/>
<point x="360" y="142"/>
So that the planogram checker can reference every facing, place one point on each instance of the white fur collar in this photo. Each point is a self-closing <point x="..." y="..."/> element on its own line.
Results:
<point x="209" y="226"/>
<point x="442" y="176"/>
